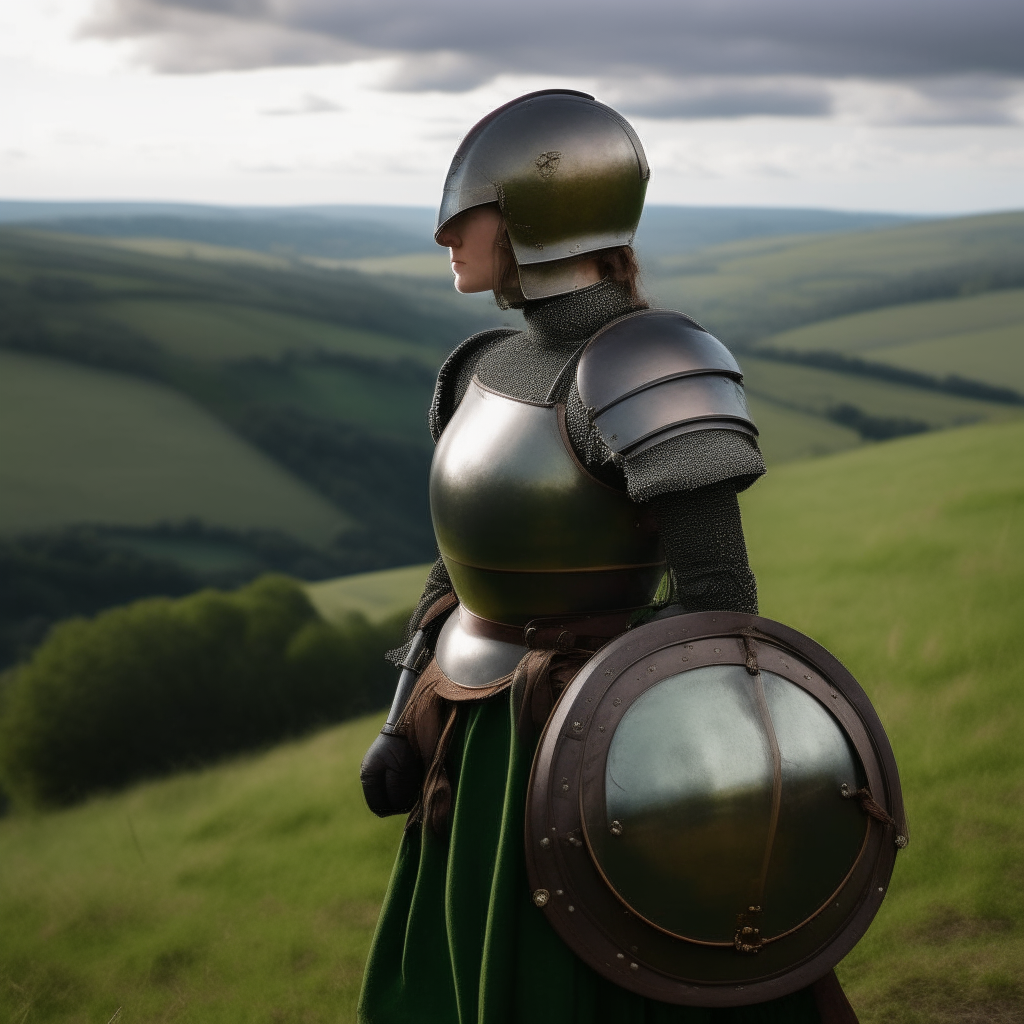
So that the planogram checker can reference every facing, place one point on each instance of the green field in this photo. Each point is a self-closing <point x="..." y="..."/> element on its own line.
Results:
<point x="376" y="595"/>
<point x="748" y="290"/>
<point x="223" y="332"/>
<point x="84" y="445"/>
<point x="813" y="390"/>
<point x="788" y="433"/>
<point x="326" y="367"/>
<point x="247" y="893"/>
<point x="980" y="337"/>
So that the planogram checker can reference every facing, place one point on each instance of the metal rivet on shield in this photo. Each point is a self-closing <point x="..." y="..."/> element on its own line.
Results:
<point x="545" y="842"/>
<point x="615" y="828"/>
<point x="634" y="967"/>
<point x="541" y="896"/>
<point x="571" y="908"/>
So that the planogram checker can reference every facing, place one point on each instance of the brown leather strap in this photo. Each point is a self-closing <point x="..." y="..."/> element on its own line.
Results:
<point x="567" y="633"/>
<point x="443" y="604"/>
<point x="430" y="717"/>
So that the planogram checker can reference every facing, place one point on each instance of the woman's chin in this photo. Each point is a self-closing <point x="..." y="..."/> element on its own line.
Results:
<point x="469" y="287"/>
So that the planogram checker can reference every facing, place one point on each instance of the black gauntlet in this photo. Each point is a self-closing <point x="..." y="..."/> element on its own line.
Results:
<point x="391" y="773"/>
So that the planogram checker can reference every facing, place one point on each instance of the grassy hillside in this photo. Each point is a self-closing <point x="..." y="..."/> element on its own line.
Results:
<point x="980" y="337"/>
<point x="327" y="373"/>
<point x="751" y="289"/>
<point x="243" y="894"/>
<point x="816" y="391"/>
<point x="788" y="433"/>
<point x="86" y="445"/>
<point x="376" y="595"/>
<point x="247" y="893"/>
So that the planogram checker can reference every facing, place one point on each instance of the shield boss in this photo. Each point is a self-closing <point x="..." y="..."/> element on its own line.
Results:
<point x="714" y="811"/>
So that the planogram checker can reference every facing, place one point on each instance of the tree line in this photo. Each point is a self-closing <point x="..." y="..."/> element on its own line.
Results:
<point x="165" y="684"/>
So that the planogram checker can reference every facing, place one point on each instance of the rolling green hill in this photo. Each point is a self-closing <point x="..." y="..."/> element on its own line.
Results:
<point x="748" y="290"/>
<point x="979" y="337"/>
<point x="377" y="595"/>
<point x="87" y="445"/>
<point x="248" y="892"/>
<point x="328" y="371"/>
<point x="818" y="391"/>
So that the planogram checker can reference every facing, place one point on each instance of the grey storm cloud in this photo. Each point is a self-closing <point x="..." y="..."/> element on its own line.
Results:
<point x="714" y="49"/>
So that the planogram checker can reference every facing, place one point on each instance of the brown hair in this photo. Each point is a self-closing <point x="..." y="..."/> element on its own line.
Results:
<point x="619" y="264"/>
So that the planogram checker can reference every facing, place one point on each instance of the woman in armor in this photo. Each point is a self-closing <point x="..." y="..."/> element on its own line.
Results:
<point x="585" y="479"/>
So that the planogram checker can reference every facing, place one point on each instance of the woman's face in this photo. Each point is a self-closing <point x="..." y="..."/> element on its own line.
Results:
<point x="470" y="238"/>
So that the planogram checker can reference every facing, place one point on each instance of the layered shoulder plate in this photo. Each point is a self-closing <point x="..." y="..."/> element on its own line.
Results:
<point x="655" y="374"/>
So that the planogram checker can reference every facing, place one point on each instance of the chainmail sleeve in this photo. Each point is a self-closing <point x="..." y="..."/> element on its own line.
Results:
<point x="703" y="540"/>
<point x="693" y="461"/>
<point x="690" y="484"/>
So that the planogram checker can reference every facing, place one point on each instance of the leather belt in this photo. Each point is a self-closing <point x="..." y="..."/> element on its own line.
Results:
<point x="565" y="633"/>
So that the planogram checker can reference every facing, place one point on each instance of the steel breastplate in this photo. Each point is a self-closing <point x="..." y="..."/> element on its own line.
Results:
<point x="524" y="530"/>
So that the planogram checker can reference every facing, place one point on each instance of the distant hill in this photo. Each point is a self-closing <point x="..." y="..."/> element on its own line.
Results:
<point x="746" y="291"/>
<point x="359" y="232"/>
<point x="327" y="373"/>
<point x="250" y="891"/>
<point x="978" y="337"/>
<point x="105" y="447"/>
<point x="317" y="372"/>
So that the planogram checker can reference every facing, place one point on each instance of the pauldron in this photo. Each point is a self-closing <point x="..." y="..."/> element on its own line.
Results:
<point x="655" y="374"/>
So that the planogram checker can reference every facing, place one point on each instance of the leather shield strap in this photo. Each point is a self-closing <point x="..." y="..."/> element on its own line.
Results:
<point x="574" y="632"/>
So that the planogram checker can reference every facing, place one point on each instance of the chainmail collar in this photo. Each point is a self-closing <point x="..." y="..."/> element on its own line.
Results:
<point x="566" y="321"/>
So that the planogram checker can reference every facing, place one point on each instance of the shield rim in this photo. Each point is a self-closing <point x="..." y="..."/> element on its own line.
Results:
<point x="568" y="723"/>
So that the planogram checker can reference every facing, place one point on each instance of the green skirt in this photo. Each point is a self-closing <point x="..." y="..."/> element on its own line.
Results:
<point x="459" y="940"/>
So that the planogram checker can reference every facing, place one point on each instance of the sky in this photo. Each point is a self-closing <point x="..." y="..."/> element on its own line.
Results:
<point x="898" y="105"/>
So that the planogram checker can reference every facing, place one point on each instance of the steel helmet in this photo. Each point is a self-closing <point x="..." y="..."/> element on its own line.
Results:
<point x="568" y="173"/>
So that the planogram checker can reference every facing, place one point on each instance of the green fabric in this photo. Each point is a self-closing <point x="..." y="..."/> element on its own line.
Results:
<point x="460" y="942"/>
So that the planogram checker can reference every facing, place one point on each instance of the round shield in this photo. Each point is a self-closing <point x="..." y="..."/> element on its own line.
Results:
<point x="714" y="811"/>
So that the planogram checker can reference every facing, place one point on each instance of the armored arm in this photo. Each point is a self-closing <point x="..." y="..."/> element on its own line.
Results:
<point x="667" y="399"/>
<point x="704" y="547"/>
<point x="655" y="375"/>
<point x="391" y="774"/>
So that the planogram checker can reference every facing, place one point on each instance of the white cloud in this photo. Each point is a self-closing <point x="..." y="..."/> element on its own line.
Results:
<point x="86" y="120"/>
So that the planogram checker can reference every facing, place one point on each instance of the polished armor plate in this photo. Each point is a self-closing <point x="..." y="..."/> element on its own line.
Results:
<point x="689" y="778"/>
<point x="714" y="811"/>
<point x="474" y="660"/>
<point x="524" y="530"/>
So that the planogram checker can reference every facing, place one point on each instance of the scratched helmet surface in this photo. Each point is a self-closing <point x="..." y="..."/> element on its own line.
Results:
<point x="568" y="173"/>
<point x="714" y="811"/>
